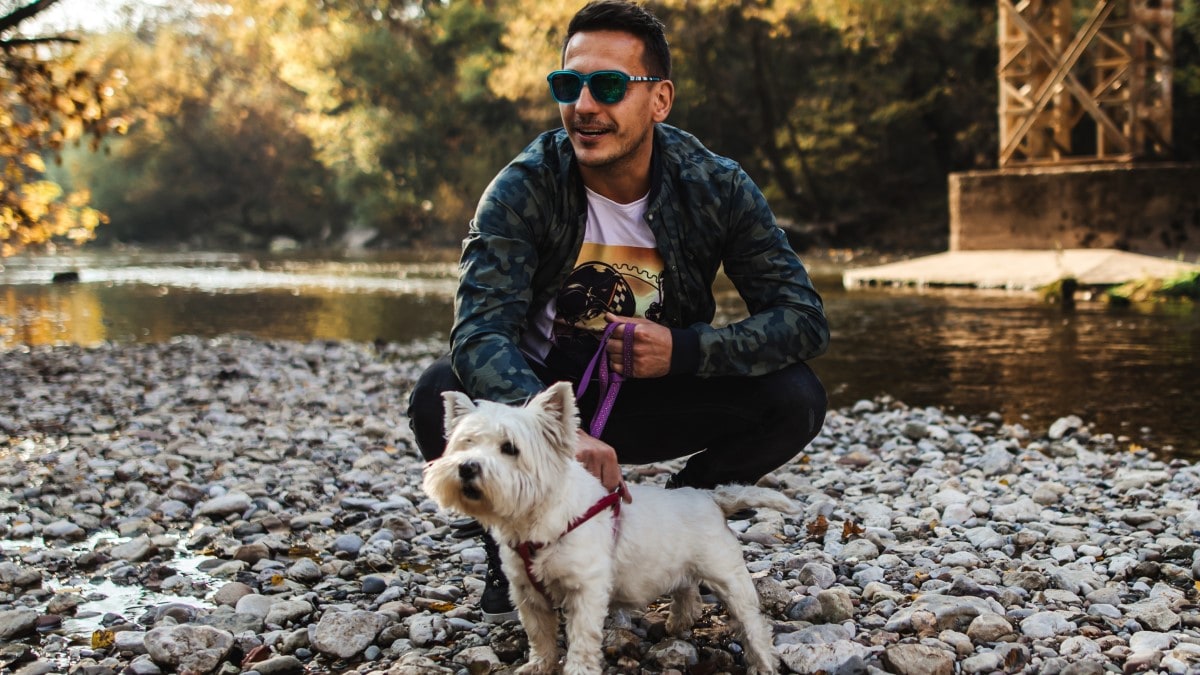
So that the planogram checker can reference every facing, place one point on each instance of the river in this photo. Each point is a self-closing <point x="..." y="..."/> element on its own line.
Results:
<point x="1130" y="371"/>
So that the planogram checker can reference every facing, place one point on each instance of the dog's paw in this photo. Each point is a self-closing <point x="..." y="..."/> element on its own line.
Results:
<point x="537" y="667"/>
<point x="570" y="668"/>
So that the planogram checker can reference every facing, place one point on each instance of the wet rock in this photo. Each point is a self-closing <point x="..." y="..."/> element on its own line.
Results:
<point x="188" y="648"/>
<point x="64" y="529"/>
<point x="134" y="550"/>
<point x="17" y="623"/>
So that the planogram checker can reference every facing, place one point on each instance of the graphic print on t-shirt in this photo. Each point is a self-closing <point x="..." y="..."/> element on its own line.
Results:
<point x="624" y="280"/>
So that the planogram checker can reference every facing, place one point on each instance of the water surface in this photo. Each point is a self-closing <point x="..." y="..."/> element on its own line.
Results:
<point x="1129" y="371"/>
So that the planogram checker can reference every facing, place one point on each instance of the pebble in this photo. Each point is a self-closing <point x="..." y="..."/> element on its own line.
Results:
<point x="264" y="498"/>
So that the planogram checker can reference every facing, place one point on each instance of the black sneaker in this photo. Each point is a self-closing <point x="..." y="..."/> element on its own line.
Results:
<point x="495" y="603"/>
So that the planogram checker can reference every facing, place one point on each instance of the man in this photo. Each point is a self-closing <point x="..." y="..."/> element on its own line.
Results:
<point x="618" y="217"/>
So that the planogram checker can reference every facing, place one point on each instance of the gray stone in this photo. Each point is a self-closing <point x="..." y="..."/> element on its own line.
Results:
<point x="134" y="550"/>
<point x="831" y="657"/>
<point x="836" y="605"/>
<point x="258" y="605"/>
<point x="1047" y="625"/>
<point x="188" y="647"/>
<point x="280" y="665"/>
<point x="915" y="659"/>
<point x="816" y="574"/>
<point x="346" y="634"/>
<point x="64" y="529"/>
<point x="17" y="623"/>
<point x="287" y="612"/>
<point x="673" y="654"/>
<point x="947" y="612"/>
<point x="1154" y="614"/>
<point x="226" y="504"/>
<point x="305" y="571"/>
<point x="989" y="627"/>
<point x="230" y="593"/>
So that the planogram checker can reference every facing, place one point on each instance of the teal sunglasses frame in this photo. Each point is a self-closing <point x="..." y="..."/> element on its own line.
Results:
<point x="605" y="91"/>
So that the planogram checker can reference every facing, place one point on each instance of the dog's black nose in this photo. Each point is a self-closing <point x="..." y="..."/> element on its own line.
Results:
<point x="468" y="470"/>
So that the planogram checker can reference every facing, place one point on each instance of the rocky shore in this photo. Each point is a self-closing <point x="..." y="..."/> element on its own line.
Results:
<point x="235" y="505"/>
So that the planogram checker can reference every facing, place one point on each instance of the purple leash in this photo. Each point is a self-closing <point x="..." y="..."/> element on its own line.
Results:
<point x="610" y="381"/>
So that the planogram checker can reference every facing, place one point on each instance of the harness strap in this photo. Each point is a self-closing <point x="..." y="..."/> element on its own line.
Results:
<point x="527" y="549"/>
<point x="610" y="384"/>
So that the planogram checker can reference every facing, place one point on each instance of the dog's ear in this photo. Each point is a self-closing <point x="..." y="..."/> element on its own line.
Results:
<point x="558" y="403"/>
<point x="458" y="405"/>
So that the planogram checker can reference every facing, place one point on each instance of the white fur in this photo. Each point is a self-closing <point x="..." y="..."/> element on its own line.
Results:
<point x="668" y="542"/>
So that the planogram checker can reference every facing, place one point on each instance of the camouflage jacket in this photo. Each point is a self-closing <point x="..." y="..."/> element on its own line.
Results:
<point x="704" y="211"/>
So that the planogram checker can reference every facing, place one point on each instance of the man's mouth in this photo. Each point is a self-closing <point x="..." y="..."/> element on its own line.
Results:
<point x="591" y="132"/>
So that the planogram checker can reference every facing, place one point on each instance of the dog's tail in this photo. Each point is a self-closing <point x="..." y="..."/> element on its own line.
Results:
<point x="734" y="498"/>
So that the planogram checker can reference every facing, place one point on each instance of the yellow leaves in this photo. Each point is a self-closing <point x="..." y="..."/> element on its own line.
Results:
<point x="34" y="161"/>
<point x="103" y="639"/>
<point x="44" y="103"/>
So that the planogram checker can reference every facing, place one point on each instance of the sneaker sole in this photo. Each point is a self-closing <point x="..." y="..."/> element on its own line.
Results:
<point x="510" y="615"/>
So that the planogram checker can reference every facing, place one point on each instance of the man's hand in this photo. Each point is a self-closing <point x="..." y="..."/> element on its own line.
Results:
<point x="600" y="460"/>
<point x="651" y="347"/>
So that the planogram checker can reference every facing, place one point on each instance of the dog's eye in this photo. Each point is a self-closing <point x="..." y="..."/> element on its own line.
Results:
<point x="509" y="449"/>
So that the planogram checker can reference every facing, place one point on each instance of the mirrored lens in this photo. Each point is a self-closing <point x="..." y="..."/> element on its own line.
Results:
<point x="607" y="87"/>
<point x="566" y="87"/>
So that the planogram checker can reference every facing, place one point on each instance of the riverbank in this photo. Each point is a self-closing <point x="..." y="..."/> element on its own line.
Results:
<point x="260" y="503"/>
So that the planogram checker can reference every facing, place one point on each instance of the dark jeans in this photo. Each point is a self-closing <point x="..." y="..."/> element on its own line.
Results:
<point x="741" y="427"/>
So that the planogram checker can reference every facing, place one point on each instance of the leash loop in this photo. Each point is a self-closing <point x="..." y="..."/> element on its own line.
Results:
<point x="610" y="380"/>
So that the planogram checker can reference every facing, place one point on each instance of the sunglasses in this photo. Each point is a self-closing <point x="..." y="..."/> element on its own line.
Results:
<point x="607" y="86"/>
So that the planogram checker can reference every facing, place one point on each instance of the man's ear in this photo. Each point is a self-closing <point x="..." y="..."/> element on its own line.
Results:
<point x="664" y="99"/>
<point x="458" y="405"/>
<point x="558" y="403"/>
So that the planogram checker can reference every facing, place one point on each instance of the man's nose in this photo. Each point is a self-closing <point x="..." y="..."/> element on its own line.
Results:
<point x="586" y="103"/>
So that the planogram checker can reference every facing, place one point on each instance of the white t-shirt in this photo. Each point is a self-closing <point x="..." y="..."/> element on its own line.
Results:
<point x="619" y="270"/>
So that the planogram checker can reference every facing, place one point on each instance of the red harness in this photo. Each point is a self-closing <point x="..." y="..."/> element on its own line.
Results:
<point x="610" y="384"/>
<point x="527" y="549"/>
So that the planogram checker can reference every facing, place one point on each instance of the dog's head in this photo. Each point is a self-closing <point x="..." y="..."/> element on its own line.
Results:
<point x="502" y="461"/>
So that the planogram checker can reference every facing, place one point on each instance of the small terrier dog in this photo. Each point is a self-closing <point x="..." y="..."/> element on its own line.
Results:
<point x="565" y="541"/>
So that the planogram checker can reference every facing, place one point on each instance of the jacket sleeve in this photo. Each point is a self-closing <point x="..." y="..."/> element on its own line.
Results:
<point x="786" y="322"/>
<point x="495" y="291"/>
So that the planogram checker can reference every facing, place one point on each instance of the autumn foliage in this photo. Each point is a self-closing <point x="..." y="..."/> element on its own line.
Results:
<point x="45" y="103"/>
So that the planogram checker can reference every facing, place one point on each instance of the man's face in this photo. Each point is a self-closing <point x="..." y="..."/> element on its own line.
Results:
<point x="616" y="136"/>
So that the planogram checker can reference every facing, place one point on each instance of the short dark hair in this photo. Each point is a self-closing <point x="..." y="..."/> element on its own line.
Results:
<point x="627" y="17"/>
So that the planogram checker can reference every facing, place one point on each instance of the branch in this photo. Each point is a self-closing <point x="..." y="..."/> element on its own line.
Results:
<point x="15" y="17"/>
<point x="7" y="45"/>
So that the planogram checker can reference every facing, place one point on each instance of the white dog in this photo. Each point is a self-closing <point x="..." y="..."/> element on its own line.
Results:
<point x="565" y="542"/>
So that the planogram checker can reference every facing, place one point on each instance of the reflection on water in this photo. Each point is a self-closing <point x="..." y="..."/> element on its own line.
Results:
<point x="974" y="352"/>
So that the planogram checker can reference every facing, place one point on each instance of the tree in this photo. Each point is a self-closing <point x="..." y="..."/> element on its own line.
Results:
<point x="213" y="156"/>
<point x="398" y="106"/>
<point x="46" y="101"/>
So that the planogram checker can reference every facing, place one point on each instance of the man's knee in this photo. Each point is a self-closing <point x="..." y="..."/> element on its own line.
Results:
<point x="798" y="400"/>
<point x="426" y="410"/>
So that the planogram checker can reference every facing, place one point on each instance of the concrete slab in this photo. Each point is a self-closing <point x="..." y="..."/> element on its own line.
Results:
<point x="1019" y="269"/>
